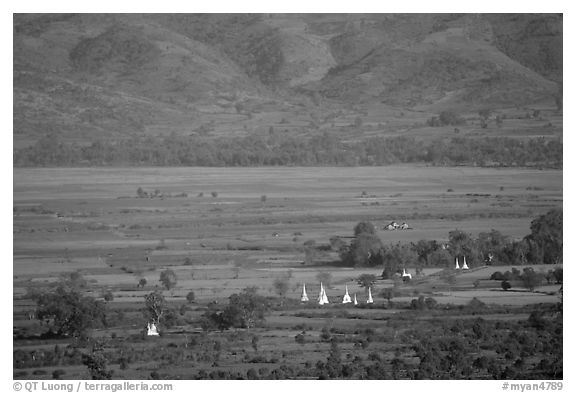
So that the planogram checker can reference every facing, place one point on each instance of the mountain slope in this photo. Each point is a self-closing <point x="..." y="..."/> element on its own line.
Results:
<point x="90" y="76"/>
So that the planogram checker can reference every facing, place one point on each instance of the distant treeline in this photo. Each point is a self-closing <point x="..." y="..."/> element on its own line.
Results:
<point x="282" y="150"/>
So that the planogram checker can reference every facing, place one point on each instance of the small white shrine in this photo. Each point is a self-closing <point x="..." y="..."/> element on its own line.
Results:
<point x="406" y="275"/>
<point x="152" y="331"/>
<point x="304" y="297"/>
<point x="464" y="266"/>
<point x="346" y="298"/>
<point x="355" y="301"/>
<point x="457" y="266"/>
<point x="370" y="300"/>
<point x="322" y="298"/>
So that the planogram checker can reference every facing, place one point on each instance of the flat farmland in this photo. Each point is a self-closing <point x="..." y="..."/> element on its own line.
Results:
<point x="225" y="229"/>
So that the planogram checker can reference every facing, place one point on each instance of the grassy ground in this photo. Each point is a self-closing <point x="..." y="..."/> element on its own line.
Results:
<point x="90" y="221"/>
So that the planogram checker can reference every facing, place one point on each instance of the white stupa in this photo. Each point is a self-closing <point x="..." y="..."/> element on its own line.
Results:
<point x="355" y="301"/>
<point x="320" y="295"/>
<point x="152" y="331"/>
<point x="464" y="266"/>
<point x="304" y="297"/>
<point x="457" y="266"/>
<point x="370" y="300"/>
<point x="324" y="296"/>
<point x="346" y="298"/>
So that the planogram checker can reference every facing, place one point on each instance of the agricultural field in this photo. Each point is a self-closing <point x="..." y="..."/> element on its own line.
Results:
<point x="222" y="230"/>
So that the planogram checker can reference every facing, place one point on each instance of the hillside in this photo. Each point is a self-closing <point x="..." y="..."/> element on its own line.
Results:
<point x="90" y="77"/>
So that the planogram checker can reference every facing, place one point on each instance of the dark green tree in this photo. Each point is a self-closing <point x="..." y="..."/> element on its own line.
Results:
<point x="365" y="250"/>
<point x="364" y="227"/>
<point x="246" y="309"/>
<point x="69" y="312"/>
<point x="366" y="281"/>
<point x="155" y="306"/>
<point x="168" y="279"/>
<point x="97" y="365"/>
<point x="545" y="239"/>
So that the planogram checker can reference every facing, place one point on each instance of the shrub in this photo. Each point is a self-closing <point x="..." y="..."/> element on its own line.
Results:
<point x="300" y="338"/>
<point x="168" y="279"/>
<point x="506" y="285"/>
<point x="108" y="296"/>
<point x="191" y="297"/>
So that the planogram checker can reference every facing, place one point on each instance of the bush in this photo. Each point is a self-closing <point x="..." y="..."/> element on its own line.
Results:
<point x="168" y="279"/>
<point x="506" y="285"/>
<point x="108" y="296"/>
<point x="300" y="338"/>
<point x="69" y="312"/>
<point x="191" y="297"/>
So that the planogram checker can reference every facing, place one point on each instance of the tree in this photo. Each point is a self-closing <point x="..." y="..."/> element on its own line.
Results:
<point x="97" y="365"/>
<point x="334" y="361"/>
<point x="545" y="239"/>
<point x="558" y="275"/>
<point x="494" y="243"/>
<point x="506" y="285"/>
<point x="142" y="282"/>
<point x="108" y="296"/>
<point x="246" y="309"/>
<point x="366" y="281"/>
<point x="531" y="279"/>
<point x="168" y="279"/>
<point x="395" y="256"/>
<point x="449" y="278"/>
<point x="325" y="278"/>
<point x="69" y="312"/>
<point x="281" y="285"/>
<point x="191" y="297"/>
<point x="155" y="306"/>
<point x="460" y="243"/>
<point x="141" y="193"/>
<point x="364" y="227"/>
<point x="364" y="250"/>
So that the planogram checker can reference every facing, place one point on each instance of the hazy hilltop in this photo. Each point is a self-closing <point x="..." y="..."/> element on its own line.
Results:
<point x="85" y="77"/>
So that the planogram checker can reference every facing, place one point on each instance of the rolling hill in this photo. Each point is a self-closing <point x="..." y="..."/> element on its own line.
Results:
<point x="88" y="77"/>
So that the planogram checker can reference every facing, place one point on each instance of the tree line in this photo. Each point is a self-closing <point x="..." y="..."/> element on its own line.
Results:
<point x="544" y="244"/>
<point x="287" y="150"/>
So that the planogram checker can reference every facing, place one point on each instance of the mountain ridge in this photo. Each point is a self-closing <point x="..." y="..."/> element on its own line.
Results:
<point x="90" y="76"/>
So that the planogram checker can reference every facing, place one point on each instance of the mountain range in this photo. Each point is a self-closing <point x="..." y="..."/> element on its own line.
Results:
<point x="88" y="77"/>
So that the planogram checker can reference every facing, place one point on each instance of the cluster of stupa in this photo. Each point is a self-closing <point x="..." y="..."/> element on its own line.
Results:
<point x="464" y="265"/>
<point x="323" y="298"/>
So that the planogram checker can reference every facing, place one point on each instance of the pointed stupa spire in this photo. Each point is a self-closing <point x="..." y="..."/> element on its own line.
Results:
<point x="355" y="300"/>
<point x="457" y="266"/>
<point x="370" y="300"/>
<point x="465" y="266"/>
<point x="304" y="297"/>
<point x="321" y="294"/>
<point x="324" y="296"/>
<point x="346" y="298"/>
